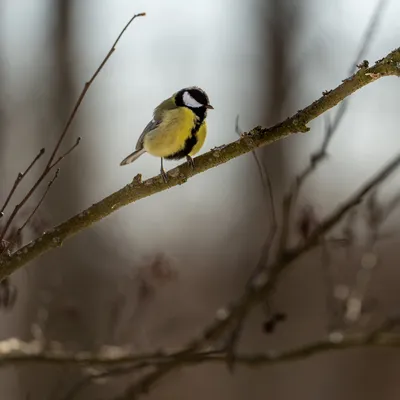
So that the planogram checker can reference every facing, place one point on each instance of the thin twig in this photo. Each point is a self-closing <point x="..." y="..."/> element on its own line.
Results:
<point x="18" y="180"/>
<point x="317" y="158"/>
<point x="261" y="289"/>
<point x="274" y="357"/>
<point x="50" y="164"/>
<point x="87" y="86"/>
<point x="352" y="202"/>
<point x="378" y="338"/>
<point x="13" y="239"/>
<point x="22" y="353"/>
<point x="65" y="154"/>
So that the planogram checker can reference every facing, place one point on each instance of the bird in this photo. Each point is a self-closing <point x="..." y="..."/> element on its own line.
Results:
<point x="178" y="128"/>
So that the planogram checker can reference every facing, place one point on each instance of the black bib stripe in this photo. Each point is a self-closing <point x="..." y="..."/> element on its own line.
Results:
<point x="190" y="142"/>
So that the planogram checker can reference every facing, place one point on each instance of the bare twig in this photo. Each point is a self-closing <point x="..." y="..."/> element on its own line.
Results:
<point x="17" y="352"/>
<point x="86" y="88"/>
<point x="274" y="357"/>
<point x="352" y="202"/>
<point x="378" y="338"/>
<point x="265" y="283"/>
<point x="117" y="361"/>
<point x="12" y="240"/>
<point x="318" y="157"/>
<point x="78" y="103"/>
<point x="18" y="180"/>
<point x="65" y="154"/>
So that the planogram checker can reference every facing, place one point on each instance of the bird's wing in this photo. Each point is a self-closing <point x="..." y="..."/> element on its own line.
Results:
<point x="168" y="104"/>
<point x="149" y="127"/>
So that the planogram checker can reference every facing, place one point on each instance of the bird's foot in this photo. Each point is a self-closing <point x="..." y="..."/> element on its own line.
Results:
<point x="190" y="161"/>
<point x="162" y="172"/>
<point x="164" y="175"/>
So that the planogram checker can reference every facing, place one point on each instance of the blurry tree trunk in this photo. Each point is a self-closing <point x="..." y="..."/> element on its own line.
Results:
<point x="280" y="26"/>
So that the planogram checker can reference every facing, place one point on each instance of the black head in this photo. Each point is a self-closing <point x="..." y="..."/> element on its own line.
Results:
<point x="194" y="98"/>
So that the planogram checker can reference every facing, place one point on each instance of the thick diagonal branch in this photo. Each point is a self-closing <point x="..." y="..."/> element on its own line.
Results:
<point x="137" y="190"/>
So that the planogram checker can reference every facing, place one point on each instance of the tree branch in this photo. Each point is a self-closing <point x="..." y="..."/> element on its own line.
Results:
<point x="137" y="190"/>
<point x="262" y="286"/>
<point x="319" y="156"/>
<point x="14" y="351"/>
<point x="114" y="361"/>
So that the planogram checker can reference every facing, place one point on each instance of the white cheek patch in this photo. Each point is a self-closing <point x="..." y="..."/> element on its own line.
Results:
<point x="190" y="101"/>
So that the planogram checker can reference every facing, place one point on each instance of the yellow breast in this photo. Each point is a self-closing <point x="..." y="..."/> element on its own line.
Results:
<point x="170" y="136"/>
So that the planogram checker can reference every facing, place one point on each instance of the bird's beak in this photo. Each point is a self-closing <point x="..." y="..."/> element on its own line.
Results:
<point x="210" y="107"/>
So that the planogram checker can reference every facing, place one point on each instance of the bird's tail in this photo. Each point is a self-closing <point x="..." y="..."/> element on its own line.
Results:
<point x="132" y="157"/>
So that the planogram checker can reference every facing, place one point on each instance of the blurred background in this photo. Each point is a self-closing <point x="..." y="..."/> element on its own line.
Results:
<point x="152" y="274"/>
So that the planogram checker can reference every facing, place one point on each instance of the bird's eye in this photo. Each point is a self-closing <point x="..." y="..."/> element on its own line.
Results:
<point x="191" y="102"/>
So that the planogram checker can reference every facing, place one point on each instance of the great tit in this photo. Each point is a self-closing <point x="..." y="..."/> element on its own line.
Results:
<point x="178" y="128"/>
